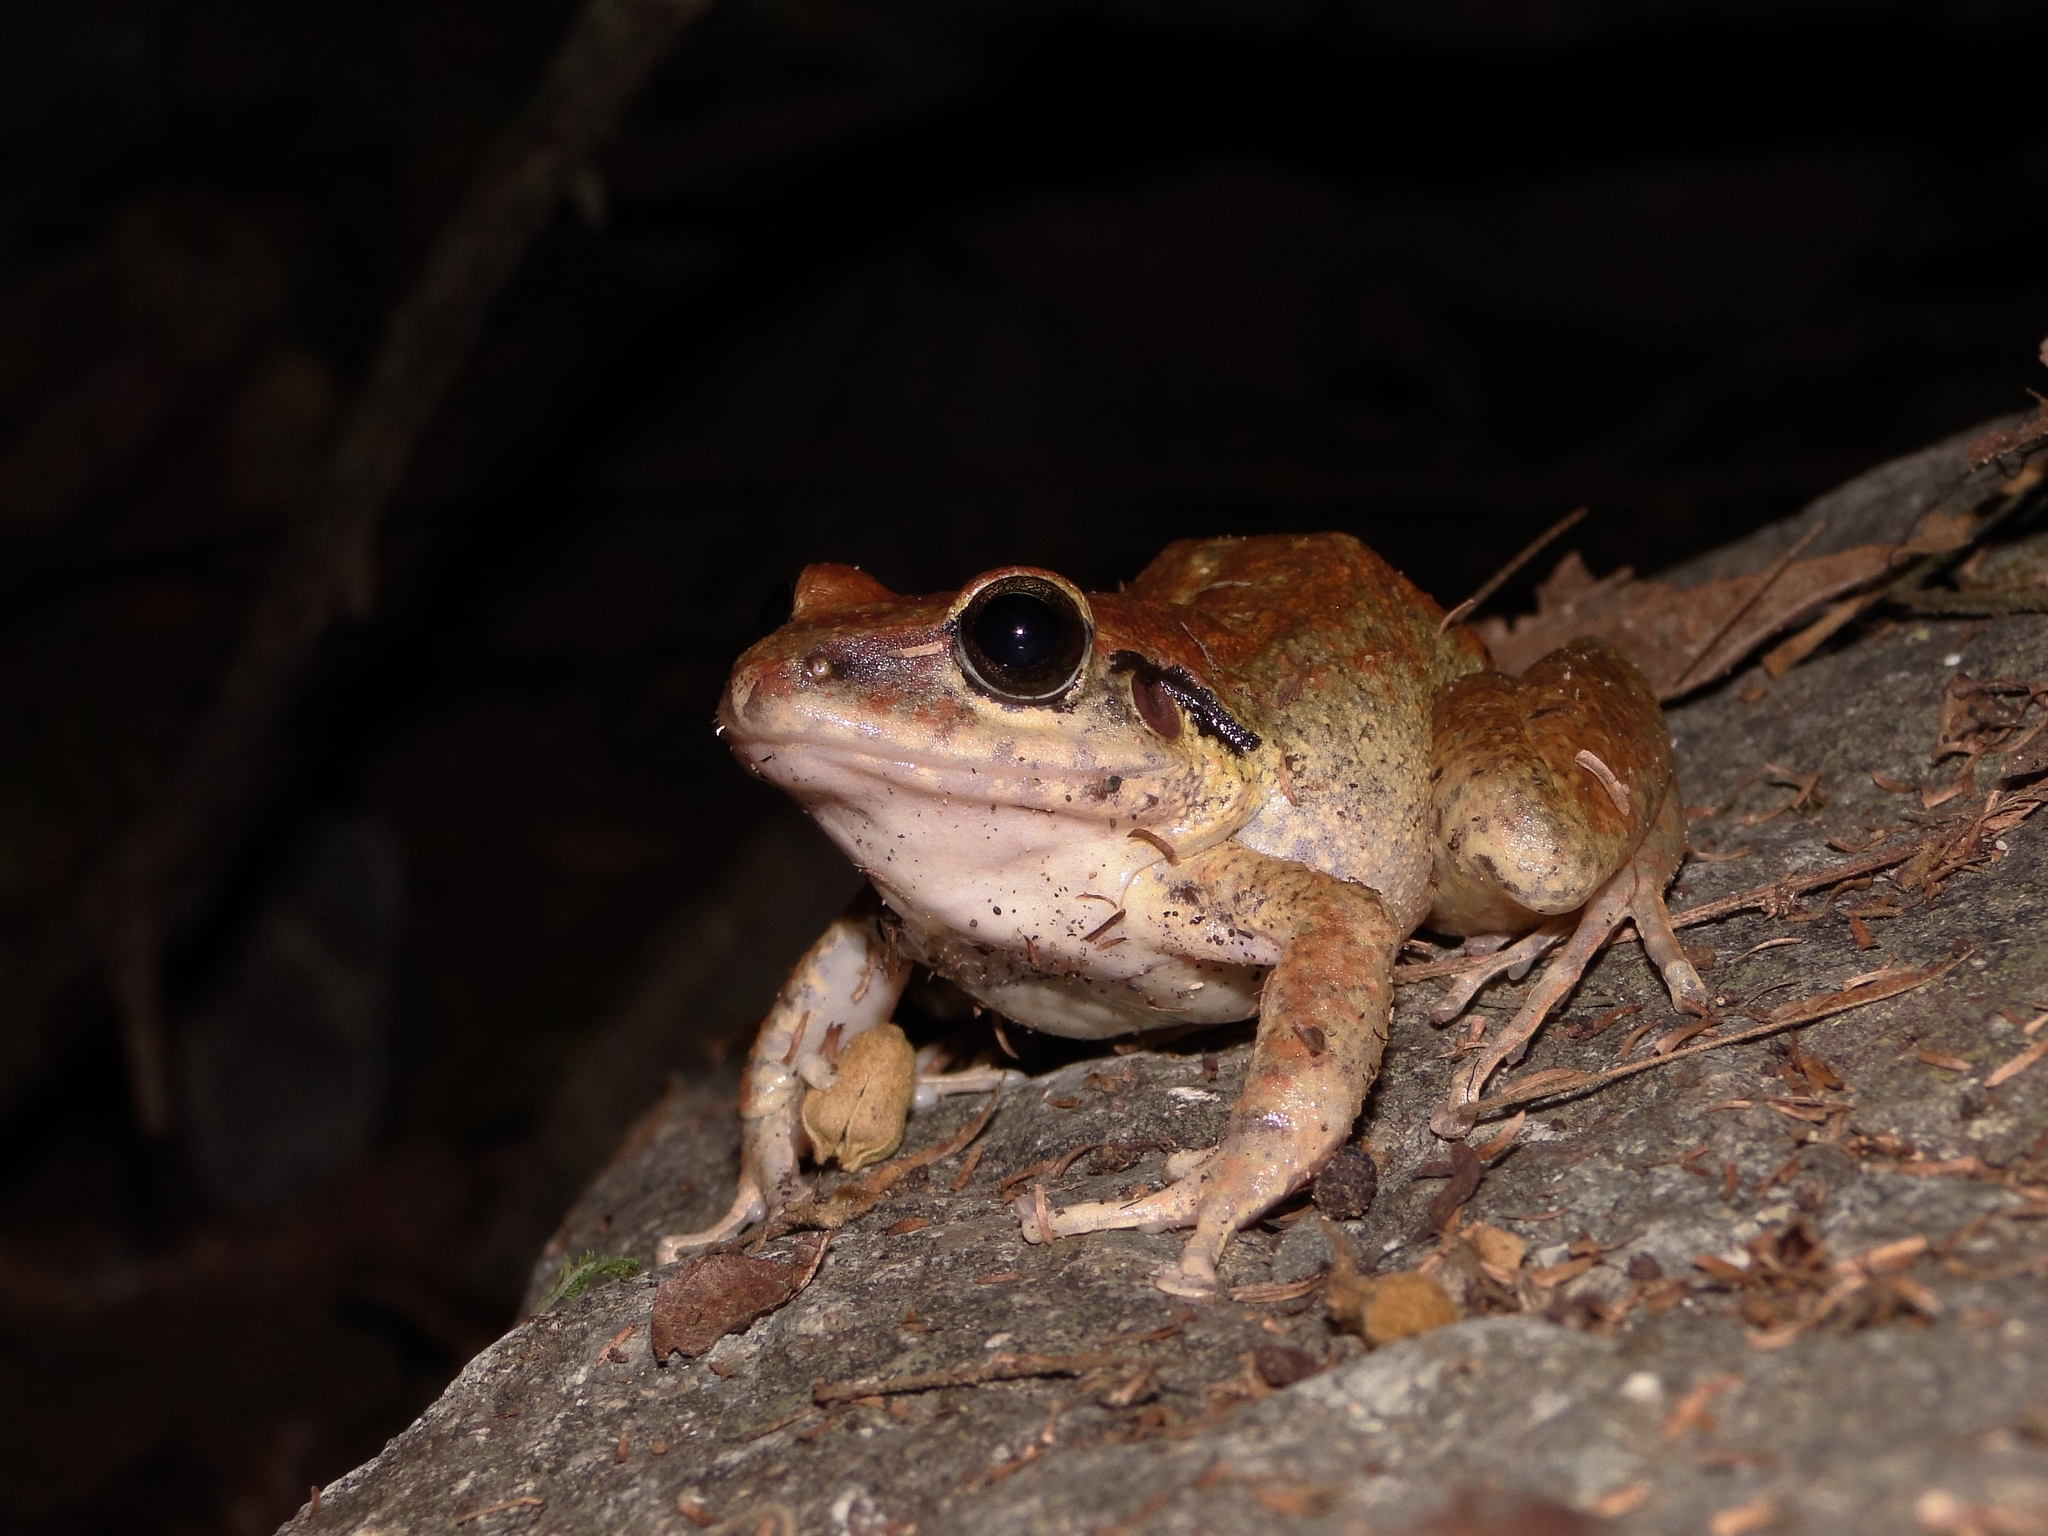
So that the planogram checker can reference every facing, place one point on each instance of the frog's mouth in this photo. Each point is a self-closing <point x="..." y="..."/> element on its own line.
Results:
<point x="818" y="773"/>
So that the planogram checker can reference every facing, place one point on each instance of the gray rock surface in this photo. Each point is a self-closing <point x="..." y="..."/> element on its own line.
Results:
<point x="1665" y="1420"/>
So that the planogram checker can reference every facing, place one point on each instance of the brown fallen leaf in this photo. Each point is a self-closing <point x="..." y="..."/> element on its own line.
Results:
<point x="2022" y="439"/>
<point x="858" y="1119"/>
<point x="1277" y="1290"/>
<point x="1981" y="714"/>
<point x="1557" y="1274"/>
<point x="1467" y="1168"/>
<point x="1681" y="639"/>
<point x="722" y="1293"/>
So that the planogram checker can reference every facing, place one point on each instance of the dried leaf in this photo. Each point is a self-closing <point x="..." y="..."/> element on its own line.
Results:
<point x="1978" y="714"/>
<point x="2021" y="439"/>
<point x="722" y="1293"/>
<point x="1467" y="1169"/>
<point x="1557" y="1274"/>
<point x="1680" y="638"/>
<point x="1404" y="1304"/>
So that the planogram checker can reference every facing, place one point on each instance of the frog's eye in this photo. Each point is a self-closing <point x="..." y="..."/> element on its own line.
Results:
<point x="1023" y="639"/>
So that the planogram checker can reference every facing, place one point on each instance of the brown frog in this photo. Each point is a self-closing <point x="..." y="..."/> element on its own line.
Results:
<point x="1233" y="788"/>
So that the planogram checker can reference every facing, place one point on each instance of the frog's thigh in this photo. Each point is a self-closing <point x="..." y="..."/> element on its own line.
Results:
<point x="847" y="983"/>
<point x="1322" y="1027"/>
<point x="1541" y="787"/>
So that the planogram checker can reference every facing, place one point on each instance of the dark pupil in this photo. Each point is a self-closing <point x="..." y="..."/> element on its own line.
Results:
<point x="1018" y="631"/>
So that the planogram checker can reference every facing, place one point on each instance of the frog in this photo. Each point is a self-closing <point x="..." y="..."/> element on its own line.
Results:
<point x="1230" y="790"/>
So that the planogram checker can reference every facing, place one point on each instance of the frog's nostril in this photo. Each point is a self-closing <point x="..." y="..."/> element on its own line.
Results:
<point x="819" y="667"/>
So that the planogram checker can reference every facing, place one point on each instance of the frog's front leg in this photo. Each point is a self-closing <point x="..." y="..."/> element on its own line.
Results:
<point x="1554" y="808"/>
<point x="847" y="983"/>
<point x="1323" y="1016"/>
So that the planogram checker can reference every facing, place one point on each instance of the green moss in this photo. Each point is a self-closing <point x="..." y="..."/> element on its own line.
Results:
<point x="574" y="1277"/>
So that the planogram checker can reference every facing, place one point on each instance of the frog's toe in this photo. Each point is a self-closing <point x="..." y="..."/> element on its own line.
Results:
<point x="933" y="1086"/>
<point x="1681" y="979"/>
<point x="748" y="1207"/>
<point x="1512" y="961"/>
<point x="1160" y="1211"/>
<point x="1193" y="1278"/>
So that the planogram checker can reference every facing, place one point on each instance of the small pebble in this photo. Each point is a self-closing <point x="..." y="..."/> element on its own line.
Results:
<point x="1345" y="1187"/>
<point x="1280" y="1366"/>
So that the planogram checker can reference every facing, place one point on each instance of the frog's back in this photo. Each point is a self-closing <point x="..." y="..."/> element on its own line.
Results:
<point x="1336" y="659"/>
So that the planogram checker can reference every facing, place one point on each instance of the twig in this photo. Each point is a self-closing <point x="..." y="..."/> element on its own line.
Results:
<point x="1494" y="582"/>
<point x="1778" y="568"/>
<point x="1543" y="1085"/>
<point x="997" y="1368"/>
<point x="1977" y="601"/>
<point x="163" y="870"/>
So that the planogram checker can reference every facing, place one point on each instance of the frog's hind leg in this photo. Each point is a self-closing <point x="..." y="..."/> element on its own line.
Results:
<point x="1555" y="808"/>
<point x="1635" y="894"/>
<point x="846" y="984"/>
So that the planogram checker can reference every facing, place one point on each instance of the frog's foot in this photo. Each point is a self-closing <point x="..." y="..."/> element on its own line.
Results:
<point x="933" y="1086"/>
<point x="835" y="1000"/>
<point x="1177" y="1205"/>
<point x="1512" y="961"/>
<point x="748" y="1206"/>
<point x="1634" y="893"/>
<point x="1160" y="1211"/>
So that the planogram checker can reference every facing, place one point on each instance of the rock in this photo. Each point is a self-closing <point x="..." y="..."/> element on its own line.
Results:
<point x="1345" y="1187"/>
<point x="1783" y="1294"/>
<point x="1303" y="1250"/>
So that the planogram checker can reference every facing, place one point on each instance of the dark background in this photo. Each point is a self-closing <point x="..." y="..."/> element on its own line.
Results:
<point x="927" y="287"/>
